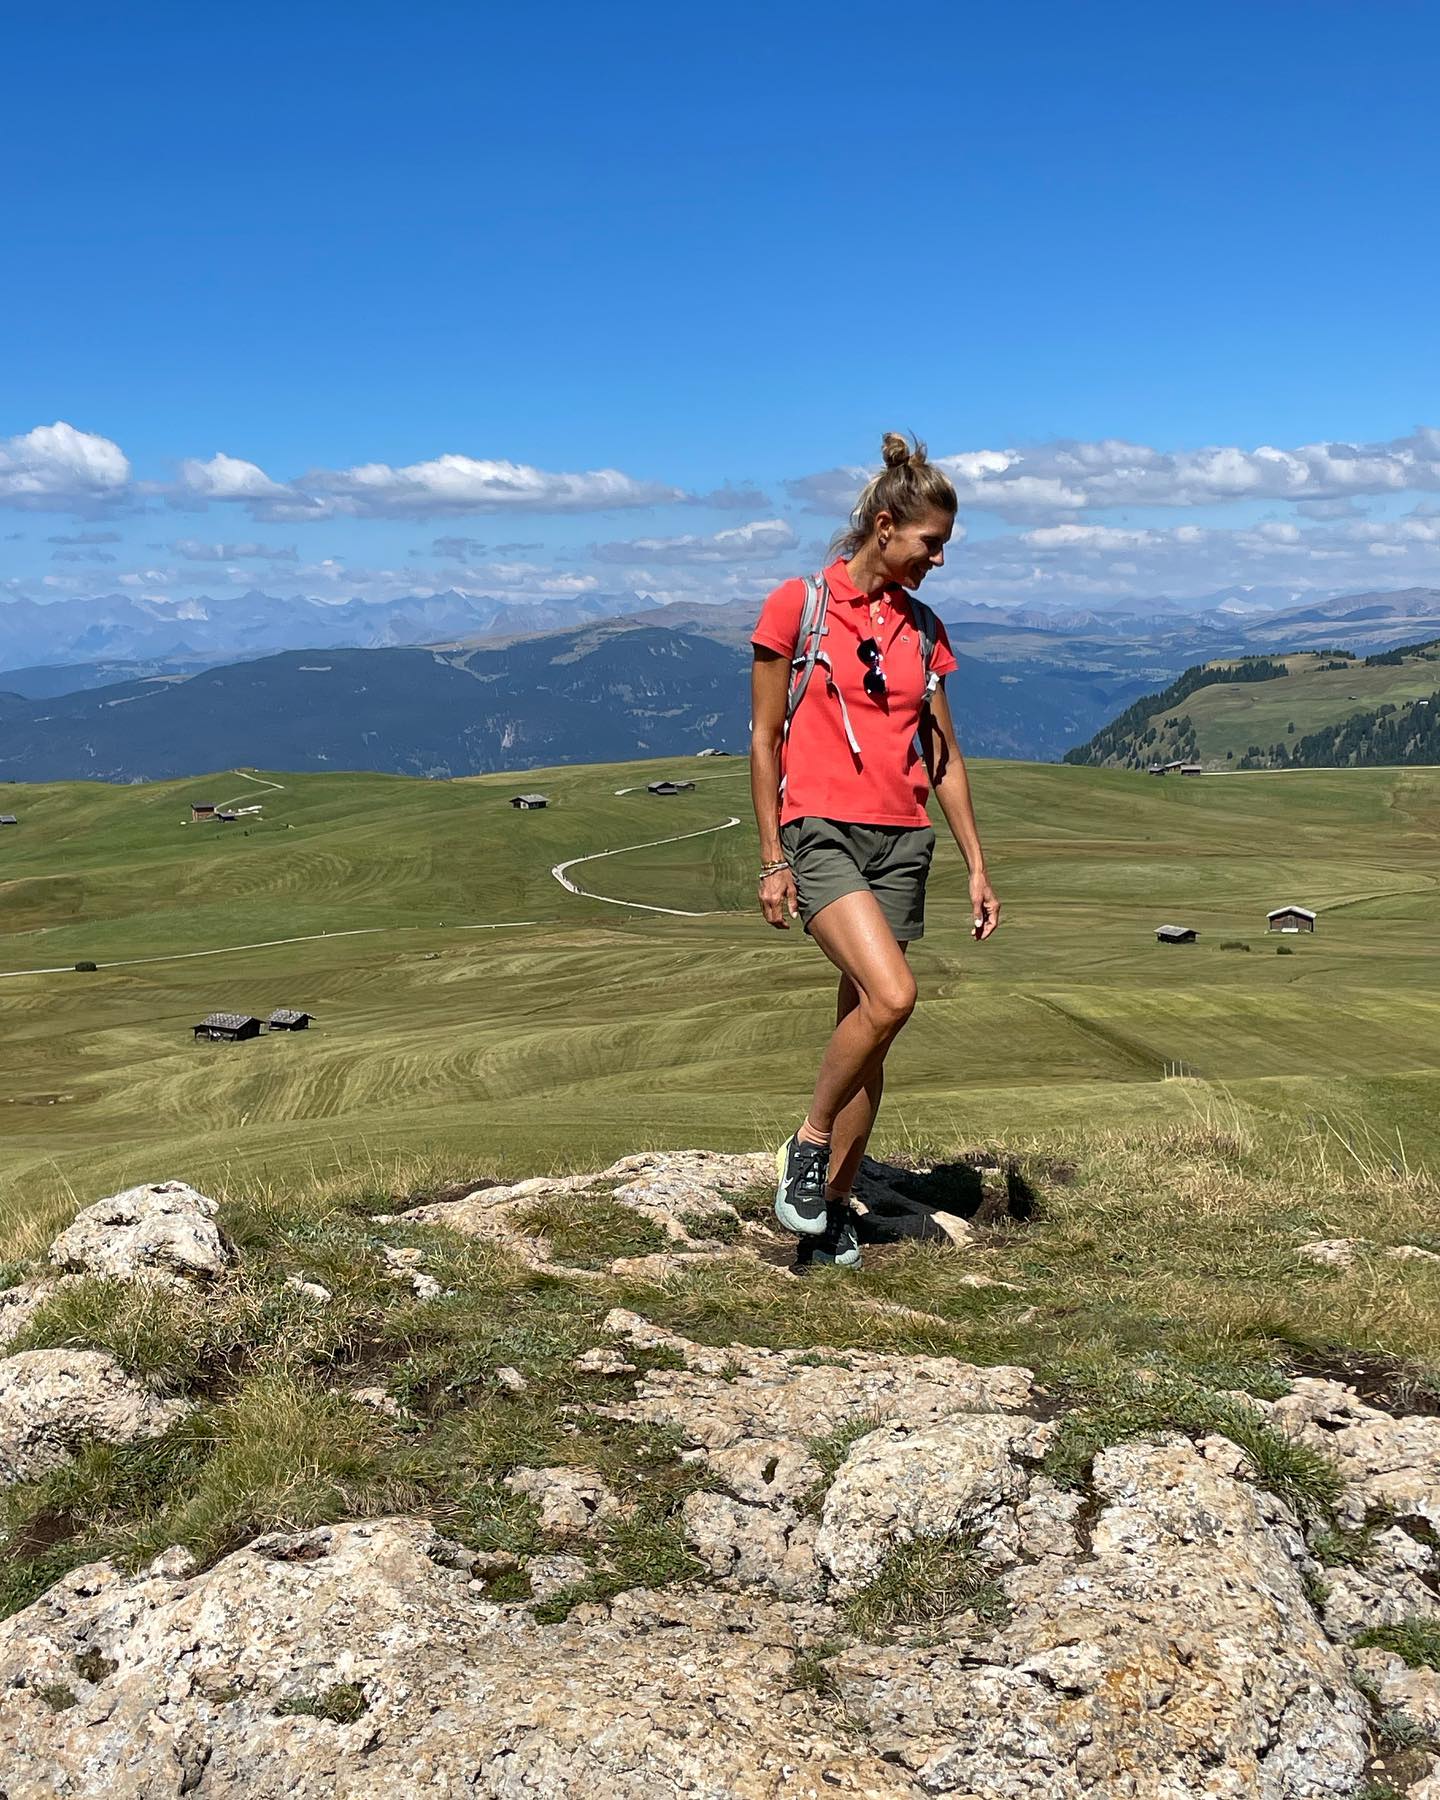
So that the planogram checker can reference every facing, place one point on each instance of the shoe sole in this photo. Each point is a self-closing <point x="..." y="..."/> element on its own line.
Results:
<point x="784" y="1212"/>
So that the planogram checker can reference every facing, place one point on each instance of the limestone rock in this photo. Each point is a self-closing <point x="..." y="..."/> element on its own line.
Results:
<point x="900" y="1483"/>
<point x="722" y="1397"/>
<point x="554" y="1574"/>
<point x="1180" y="1660"/>
<point x="1330" y="1253"/>
<point x="312" y="1290"/>
<point x="663" y="1187"/>
<point x="754" y="1546"/>
<point x="52" y="1402"/>
<point x="657" y="1695"/>
<point x="1415" y="1691"/>
<point x="1359" y="1598"/>
<point x="1389" y="1464"/>
<point x="572" y="1502"/>
<point x="163" y="1233"/>
<point x="19" y="1305"/>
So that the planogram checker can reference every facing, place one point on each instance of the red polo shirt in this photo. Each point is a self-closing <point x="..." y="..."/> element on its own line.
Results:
<point x="887" y="784"/>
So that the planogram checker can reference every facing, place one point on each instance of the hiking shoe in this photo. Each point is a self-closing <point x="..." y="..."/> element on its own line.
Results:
<point x="838" y="1246"/>
<point x="800" y="1196"/>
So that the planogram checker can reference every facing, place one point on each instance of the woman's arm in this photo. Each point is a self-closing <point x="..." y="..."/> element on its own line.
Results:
<point x="769" y="690"/>
<point x="951" y="784"/>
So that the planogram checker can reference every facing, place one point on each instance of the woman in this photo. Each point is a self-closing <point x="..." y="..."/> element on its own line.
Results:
<point x="840" y="795"/>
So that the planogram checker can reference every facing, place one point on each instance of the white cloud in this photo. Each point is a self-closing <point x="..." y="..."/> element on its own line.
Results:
<point x="193" y="550"/>
<point x="760" y="538"/>
<point x="56" y="468"/>
<point x="1074" y="476"/>
<point x="229" y="478"/>
<point x="443" y="486"/>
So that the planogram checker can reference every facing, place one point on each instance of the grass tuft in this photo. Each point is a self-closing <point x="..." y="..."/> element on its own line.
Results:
<point x="1415" y="1640"/>
<point x="924" y="1582"/>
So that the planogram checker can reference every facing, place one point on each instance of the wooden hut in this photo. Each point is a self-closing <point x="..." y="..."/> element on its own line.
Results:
<point x="285" y="1018"/>
<point x="1175" y="934"/>
<point x="8" y="819"/>
<point x="1192" y="769"/>
<point x="202" y="809"/>
<point x="227" y="1028"/>
<point x="669" y="787"/>
<point x="1290" y="918"/>
<point x="529" y="802"/>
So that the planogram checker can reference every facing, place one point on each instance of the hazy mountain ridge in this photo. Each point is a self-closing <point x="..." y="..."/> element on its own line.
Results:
<point x="126" y="626"/>
<point x="606" y="692"/>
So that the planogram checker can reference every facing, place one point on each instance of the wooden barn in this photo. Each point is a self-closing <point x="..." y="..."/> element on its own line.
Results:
<point x="1175" y="934"/>
<point x="528" y="802"/>
<point x="1191" y="769"/>
<point x="1290" y="918"/>
<point x="202" y="809"/>
<point x="285" y="1018"/>
<point x="8" y="819"/>
<point x="227" y="817"/>
<point x="669" y="787"/>
<point x="227" y="1028"/>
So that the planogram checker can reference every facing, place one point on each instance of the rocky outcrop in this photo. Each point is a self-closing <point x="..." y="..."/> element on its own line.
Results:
<point x="52" y="1402"/>
<point x="1177" y="1658"/>
<point x="1390" y="1465"/>
<point x="164" y="1233"/>
<point x="687" y="1195"/>
<point x="363" y="1663"/>
<point x="1162" y="1630"/>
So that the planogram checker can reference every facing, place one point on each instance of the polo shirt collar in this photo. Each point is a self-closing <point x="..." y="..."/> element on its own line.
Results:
<point x="837" y="578"/>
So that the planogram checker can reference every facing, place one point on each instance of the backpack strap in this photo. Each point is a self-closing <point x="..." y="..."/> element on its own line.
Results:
<point x="809" y="650"/>
<point x="928" y="630"/>
<point x="807" y="642"/>
<point x="928" y="627"/>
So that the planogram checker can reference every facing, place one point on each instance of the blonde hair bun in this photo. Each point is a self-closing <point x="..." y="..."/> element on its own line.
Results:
<point x="897" y="452"/>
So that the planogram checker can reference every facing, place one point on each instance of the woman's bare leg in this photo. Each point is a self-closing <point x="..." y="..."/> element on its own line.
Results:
<point x="856" y="1119"/>
<point x="853" y="933"/>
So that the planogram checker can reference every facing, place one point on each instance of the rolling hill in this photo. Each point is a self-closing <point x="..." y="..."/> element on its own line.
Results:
<point x="1257" y="712"/>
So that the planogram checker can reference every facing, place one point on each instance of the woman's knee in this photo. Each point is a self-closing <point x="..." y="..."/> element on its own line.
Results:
<point x="889" y="1003"/>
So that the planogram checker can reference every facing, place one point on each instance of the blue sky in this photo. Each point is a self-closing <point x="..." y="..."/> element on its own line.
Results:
<point x="718" y="254"/>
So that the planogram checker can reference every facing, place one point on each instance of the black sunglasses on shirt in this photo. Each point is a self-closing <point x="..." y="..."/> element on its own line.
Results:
<point x="869" y="652"/>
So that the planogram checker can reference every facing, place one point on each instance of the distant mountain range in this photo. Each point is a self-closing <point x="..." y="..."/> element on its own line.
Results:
<point x="606" y="692"/>
<point x="118" y="627"/>
<point x="648" y="680"/>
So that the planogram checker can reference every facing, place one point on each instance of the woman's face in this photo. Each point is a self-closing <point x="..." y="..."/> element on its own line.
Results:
<point x="912" y="550"/>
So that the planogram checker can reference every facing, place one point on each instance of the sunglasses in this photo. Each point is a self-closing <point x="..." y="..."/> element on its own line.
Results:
<point x="870" y="652"/>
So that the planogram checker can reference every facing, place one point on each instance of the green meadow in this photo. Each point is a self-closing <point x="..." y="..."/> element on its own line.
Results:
<point x="473" y="1015"/>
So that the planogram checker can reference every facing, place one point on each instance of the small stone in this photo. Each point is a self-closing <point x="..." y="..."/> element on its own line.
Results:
<point x="312" y="1290"/>
<point x="603" y="1360"/>
<point x="572" y="1502"/>
<point x="511" y="1380"/>
<point x="377" y="1400"/>
<point x="173" y="1564"/>
<point x="1411" y="1253"/>
<point x="1332" y="1253"/>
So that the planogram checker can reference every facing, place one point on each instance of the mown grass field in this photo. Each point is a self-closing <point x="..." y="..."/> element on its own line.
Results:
<point x="1232" y="716"/>
<point x="578" y="1031"/>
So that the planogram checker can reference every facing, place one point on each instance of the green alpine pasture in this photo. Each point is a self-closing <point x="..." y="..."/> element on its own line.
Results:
<point x="471" y="1014"/>
<point x="1228" y="717"/>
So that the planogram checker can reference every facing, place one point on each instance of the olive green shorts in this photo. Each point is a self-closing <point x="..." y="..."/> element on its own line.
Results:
<point x="831" y="858"/>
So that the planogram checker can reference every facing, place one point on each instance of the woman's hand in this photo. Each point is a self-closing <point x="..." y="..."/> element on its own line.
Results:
<point x="986" y="905"/>
<point x="778" y="898"/>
